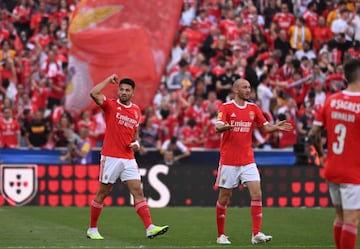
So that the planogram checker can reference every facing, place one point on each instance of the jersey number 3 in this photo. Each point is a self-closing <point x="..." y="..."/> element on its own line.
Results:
<point x="338" y="146"/>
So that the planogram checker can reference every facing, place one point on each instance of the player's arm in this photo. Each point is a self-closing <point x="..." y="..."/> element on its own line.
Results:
<point x="279" y="126"/>
<point x="135" y="145"/>
<point x="315" y="139"/>
<point x="221" y="127"/>
<point x="96" y="94"/>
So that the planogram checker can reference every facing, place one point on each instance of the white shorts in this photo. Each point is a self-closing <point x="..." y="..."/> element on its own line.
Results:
<point x="230" y="176"/>
<point x="113" y="168"/>
<point x="345" y="195"/>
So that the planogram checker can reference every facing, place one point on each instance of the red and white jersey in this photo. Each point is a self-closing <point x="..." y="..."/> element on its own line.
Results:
<point x="22" y="12"/>
<point x="39" y="98"/>
<point x="226" y="25"/>
<point x="60" y="82"/>
<point x="192" y="137"/>
<point x="284" y="21"/>
<point x="9" y="129"/>
<point x="311" y="19"/>
<point x="43" y="40"/>
<point x="121" y="123"/>
<point x="212" y="138"/>
<point x="236" y="144"/>
<point x="340" y="116"/>
<point x="217" y="103"/>
<point x="204" y="25"/>
<point x="4" y="34"/>
<point x="195" y="113"/>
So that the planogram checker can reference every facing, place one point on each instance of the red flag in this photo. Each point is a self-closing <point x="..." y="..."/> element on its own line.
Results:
<point x="130" y="38"/>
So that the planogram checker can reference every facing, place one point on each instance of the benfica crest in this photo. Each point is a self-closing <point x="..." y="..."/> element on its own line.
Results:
<point x="18" y="183"/>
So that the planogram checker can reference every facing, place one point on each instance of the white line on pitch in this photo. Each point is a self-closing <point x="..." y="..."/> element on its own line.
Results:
<point x="162" y="247"/>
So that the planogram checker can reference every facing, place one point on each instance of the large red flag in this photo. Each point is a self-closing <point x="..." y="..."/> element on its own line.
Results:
<point x="132" y="38"/>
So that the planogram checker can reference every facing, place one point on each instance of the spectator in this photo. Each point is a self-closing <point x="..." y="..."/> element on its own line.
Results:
<point x="207" y="46"/>
<point x="37" y="131"/>
<point x="225" y="82"/>
<point x="321" y="34"/>
<point x="219" y="68"/>
<point x="8" y="89"/>
<point x="149" y="134"/>
<point x="180" y="78"/>
<point x="39" y="93"/>
<point x="177" y="52"/>
<point x="192" y="135"/>
<point x="264" y="93"/>
<point x="284" y="19"/>
<point x="354" y="21"/>
<point x="161" y="96"/>
<point x="212" y="138"/>
<point x="281" y="43"/>
<point x="250" y="72"/>
<point x="306" y="51"/>
<point x="173" y="150"/>
<point x="208" y="77"/>
<point x="341" y="26"/>
<point x="334" y="12"/>
<point x="79" y="148"/>
<point x="269" y="12"/>
<point x="9" y="130"/>
<point x="86" y="119"/>
<point x="298" y="34"/>
<point x="310" y="16"/>
<point x="304" y="123"/>
<point x="286" y="139"/>
<point x="195" y="111"/>
<point x="62" y="131"/>
<point x="188" y="14"/>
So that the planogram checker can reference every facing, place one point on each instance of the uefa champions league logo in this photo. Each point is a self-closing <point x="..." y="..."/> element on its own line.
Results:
<point x="18" y="183"/>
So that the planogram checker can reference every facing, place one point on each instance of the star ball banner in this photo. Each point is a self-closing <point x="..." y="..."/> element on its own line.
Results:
<point x="130" y="38"/>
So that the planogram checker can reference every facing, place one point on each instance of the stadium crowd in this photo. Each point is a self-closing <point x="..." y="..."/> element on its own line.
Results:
<point x="291" y="51"/>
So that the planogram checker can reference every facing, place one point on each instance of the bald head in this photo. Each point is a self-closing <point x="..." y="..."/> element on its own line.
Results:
<point x="242" y="89"/>
<point x="241" y="82"/>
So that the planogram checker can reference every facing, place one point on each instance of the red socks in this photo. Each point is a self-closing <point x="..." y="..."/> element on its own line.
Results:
<point x="142" y="209"/>
<point x="337" y="227"/>
<point x="95" y="210"/>
<point x="220" y="217"/>
<point x="256" y="215"/>
<point x="348" y="237"/>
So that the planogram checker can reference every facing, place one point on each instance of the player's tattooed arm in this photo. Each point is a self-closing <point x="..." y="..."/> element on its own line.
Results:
<point x="221" y="127"/>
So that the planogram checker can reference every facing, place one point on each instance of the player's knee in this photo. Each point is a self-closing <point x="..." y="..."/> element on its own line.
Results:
<point x="256" y="195"/>
<point x="224" y="199"/>
<point x="137" y="192"/>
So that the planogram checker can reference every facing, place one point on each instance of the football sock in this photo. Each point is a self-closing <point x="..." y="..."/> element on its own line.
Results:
<point x="256" y="215"/>
<point x="220" y="217"/>
<point x="337" y="227"/>
<point x="142" y="209"/>
<point x="348" y="236"/>
<point x="95" y="210"/>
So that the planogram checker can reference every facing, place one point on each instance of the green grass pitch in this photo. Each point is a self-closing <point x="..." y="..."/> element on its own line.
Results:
<point x="190" y="227"/>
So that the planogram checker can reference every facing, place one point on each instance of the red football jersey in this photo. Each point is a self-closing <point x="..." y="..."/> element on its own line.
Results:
<point x="284" y="21"/>
<point x="340" y="116"/>
<point x="236" y="144"/>
<point x="8" y="132"/>
<point x="121" y="123"/>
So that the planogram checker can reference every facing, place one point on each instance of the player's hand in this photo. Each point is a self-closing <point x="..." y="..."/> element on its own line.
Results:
<point x="135" y="145"/>
<point x="114" y="79"/>
<point x="284" y="126"/>
<point x="322" y="160"/>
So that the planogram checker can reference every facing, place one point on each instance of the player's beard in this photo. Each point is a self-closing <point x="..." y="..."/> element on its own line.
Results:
<point x="124" y="99"/>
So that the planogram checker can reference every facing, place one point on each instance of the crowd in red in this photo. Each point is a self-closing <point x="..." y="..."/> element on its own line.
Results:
<point x="290" y="51"/>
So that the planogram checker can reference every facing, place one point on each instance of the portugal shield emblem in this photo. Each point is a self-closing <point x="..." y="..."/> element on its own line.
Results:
<point x="18" y="183"/>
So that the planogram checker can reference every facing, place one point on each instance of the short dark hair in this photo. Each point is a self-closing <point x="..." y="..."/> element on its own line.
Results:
<point x="352" y="70"/>
<point x="127" y="81"/>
